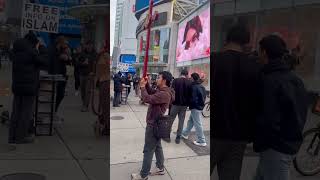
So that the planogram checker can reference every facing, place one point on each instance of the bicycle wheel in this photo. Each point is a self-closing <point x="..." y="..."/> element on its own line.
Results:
<point x="206" y="110"/>
<point x="307" y="160"/>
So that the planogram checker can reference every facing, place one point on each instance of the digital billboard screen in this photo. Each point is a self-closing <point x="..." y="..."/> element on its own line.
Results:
<point x="194" y="37"/>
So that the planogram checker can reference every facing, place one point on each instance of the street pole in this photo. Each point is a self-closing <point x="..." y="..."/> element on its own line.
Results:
<point x="149" y="22"/>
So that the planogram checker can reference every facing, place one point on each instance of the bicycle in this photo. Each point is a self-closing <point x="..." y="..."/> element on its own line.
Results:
<point x="206" y="109"/>
<point x="307" y="160"/>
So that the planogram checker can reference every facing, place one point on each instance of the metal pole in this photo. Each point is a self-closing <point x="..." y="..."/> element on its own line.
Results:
<point x="146" y="57"/>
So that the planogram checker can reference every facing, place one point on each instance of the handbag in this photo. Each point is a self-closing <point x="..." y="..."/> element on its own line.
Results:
<point x="163" y="126"/>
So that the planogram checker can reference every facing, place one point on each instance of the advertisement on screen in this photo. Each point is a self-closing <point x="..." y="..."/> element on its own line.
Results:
<point x="194" y="37"/>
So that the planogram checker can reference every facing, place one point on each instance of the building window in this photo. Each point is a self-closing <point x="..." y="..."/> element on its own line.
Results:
<point x="159" y="46"/>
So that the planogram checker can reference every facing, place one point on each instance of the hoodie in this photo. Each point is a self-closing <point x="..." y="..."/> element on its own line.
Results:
<point x="282" y="111"/>
<point x="198" y="96"/>
<point x="158" y="100"/>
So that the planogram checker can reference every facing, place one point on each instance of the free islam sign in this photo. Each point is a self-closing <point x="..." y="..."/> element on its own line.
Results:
<point x="40" y="18"/>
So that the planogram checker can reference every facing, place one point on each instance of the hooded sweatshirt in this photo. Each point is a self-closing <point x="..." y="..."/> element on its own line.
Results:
<point x="158" y="100"/>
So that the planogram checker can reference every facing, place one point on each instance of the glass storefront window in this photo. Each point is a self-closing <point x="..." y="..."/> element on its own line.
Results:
<point x="159" y="46"/>
<point x="203" y="70"/>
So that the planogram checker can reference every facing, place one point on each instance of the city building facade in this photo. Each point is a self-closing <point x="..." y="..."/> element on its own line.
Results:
<point x="295" y="21"/>
<point x="95" y="19"/>
<point x="125" y="43"/>
<point x="166" y="32"/>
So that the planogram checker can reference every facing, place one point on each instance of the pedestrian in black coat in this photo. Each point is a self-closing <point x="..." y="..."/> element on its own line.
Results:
<point x="117" y="89"/>
<point x="282" y="114"/>
<point x="26" y="64"/>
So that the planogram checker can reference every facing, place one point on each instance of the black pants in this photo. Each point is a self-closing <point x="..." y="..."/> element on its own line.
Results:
<point x="76" y="79"/>
<point x="152" y="145"/>
<point x="116" y="98"/>
<point x="228" y="157"/>
<point x="21" y="123"/>
<point x="85" y="85"/>
<point x="61" y="89"/>
<point x="129" y="90"/>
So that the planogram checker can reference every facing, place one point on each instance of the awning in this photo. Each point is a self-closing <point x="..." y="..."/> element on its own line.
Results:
<point x="82" y="12"/>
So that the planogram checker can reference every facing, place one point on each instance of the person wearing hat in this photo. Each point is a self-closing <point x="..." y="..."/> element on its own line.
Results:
<point x="26" y="64"/>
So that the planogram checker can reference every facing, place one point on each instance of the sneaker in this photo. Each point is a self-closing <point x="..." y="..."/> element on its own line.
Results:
<point x="138" y="177"/>
<point x="200" y="144"/>
<point x="184" y="137"/>
<point x="178" y="140"/>
<point x="156" y="172"/>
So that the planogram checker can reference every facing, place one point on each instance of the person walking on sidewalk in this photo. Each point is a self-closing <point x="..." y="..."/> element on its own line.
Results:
<point x="25" y="85"/>
<point x="198" y="98"/>
<point x="117" y="85"/>
<point x="158" y="101"/>
<point x="281" y="119"/>
<point x="136" y="81"/>
<point x="235" y="82"/>
<point x="128" y="83"/>
<point x="60" y="58"/>
<point x="76" y="71"/>
<point x="87" y="60"/>
<point x="182" y="88"/>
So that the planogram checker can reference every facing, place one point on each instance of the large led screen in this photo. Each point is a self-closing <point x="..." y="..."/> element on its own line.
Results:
<point x="194" y="38"/>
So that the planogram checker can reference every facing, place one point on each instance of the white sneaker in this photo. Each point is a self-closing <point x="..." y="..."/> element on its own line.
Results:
<point x="156" y="171"/>
<point x="184" y="137"/>
<point x="137" y="177"/>
<point x="200" y="144"/>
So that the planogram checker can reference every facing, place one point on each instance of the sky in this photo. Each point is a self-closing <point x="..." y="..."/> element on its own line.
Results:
<point x="113" y="6"/>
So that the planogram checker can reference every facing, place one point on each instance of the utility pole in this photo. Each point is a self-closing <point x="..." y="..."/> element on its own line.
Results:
<point x="149" y="19"/>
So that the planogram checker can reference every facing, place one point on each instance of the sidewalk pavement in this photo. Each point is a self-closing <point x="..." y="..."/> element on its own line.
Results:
<point x="72" y="153"/>
<point x="182" y="161"/>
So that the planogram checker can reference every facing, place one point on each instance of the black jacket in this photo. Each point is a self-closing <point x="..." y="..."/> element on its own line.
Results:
<point x="234" y="91"/>
<point x="26" y="66"/>
<point x="57" y="64"/>
<point x="117" y="83"/>
<point x="86" y="69"/>
<point x="198" y="96"/>
<point x="182" y="87"/>
<point x="283" y="110"/>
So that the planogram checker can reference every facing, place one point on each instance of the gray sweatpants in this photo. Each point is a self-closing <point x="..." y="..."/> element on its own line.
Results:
<point x="21" y="122"/>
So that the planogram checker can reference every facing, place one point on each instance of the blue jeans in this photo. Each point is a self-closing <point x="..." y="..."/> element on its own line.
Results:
<point x="273" y="165"/>
<point x="195" y="120"/>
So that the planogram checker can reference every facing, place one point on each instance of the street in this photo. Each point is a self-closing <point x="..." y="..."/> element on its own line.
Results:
<point x="182" y="161"/>
<point x="73" y="152"/>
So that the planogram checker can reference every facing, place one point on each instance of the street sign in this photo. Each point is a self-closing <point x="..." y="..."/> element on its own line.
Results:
<point x="122" y="67"/>
<point x="41" y="18"/>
